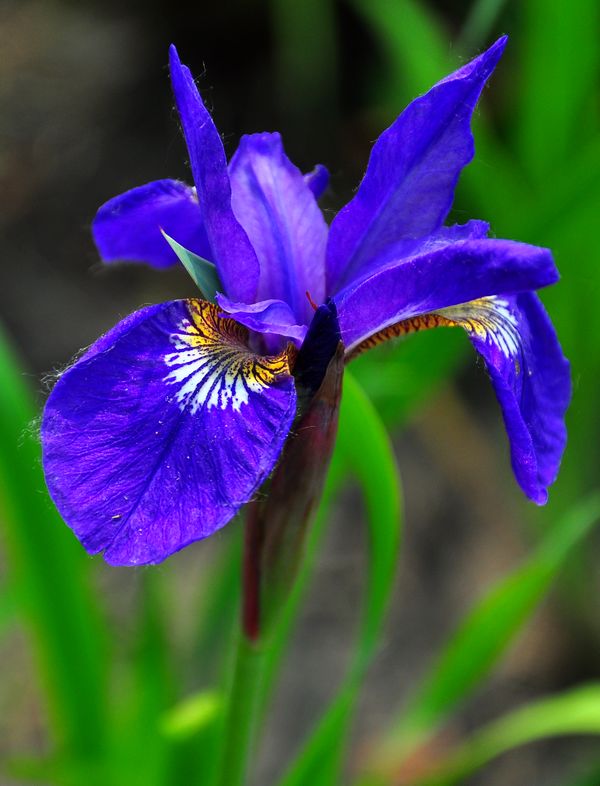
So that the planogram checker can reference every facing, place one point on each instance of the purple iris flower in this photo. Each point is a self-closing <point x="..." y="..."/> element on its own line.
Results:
<point x="169" y="423"/>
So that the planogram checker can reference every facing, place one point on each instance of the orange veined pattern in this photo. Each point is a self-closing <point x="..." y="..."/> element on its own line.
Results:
<point x="488" y="318"/>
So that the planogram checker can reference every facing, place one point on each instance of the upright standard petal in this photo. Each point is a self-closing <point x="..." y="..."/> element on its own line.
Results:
<point x="279" y="212"/>
<point x="409" y="184"/>
<point x="162" y="430"/>
<point x="531" y="379"/>
<point x="231" y="250"/>
<point x="127" y="228"/>
<point x="444" y="276"/>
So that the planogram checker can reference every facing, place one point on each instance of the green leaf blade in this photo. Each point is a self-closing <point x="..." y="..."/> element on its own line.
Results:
<point x="560" y="64"/>
<point x="203" y="273"/>
<point x="575" y="712"/>
<point x="50" y="577"/>
<point x="484" y="636"/>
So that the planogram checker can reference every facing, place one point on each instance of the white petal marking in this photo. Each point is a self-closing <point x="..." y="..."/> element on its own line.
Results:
<point x="212" y="365"/>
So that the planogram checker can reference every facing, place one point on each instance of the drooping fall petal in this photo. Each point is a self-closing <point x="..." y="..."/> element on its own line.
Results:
<point x="444" y="276"/>
<point x="531" y="379"/>
<point x="158" y="434"/>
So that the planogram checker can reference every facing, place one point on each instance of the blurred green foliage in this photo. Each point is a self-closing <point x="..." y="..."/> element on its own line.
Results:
<point x="575" y="712"/>
<point x="536" y="177"/>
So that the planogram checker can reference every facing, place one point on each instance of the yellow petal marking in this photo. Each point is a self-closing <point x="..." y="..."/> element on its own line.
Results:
<point x="212" y="365"/>
<point x="488" y="318"/>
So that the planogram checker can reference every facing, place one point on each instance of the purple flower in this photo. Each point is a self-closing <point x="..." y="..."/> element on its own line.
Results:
<point x="169" y="423"/>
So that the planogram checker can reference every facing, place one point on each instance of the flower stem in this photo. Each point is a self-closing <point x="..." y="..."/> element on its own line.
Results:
<point x="241" y="713"/>
<point x="244" y="698"/>
<point x="274" y="534"/>
<point x="253" y="540"/>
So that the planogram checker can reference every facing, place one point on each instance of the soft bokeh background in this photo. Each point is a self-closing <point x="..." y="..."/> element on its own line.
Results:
<point x="85" y="113"/>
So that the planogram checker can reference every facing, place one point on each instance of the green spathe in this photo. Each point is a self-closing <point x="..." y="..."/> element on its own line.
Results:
<point x="203" y="272"/>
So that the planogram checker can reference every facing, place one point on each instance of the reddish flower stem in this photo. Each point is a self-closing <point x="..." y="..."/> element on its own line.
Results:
<point x="253" y="537"/>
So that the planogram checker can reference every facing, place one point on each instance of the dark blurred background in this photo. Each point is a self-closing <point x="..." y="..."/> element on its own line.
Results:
<point x="86" y="112"/>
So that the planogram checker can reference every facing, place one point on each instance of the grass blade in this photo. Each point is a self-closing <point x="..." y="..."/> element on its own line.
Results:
<point x="49" y="574"/>
<point x="483" y="637"/>
<point x="397" y="380"/>
<point x="575" y="712"/>
<point x="405" y="31"/>
<point x="143" y="753"/>
<point x="8" y="609"/>
<point x="558" y="74"/>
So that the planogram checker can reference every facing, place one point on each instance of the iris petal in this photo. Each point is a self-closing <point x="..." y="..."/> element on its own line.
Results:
<point x="409" y="184"/>
<point x="278" y="210"/>
<point x="267" y="317"/>
<point x="127" y="227"/>
<point x="531" y="379"/>
<point x="448" y="274"/>
<point x="407" y="248"/>
<point x="163" y="430"/>
<point x="231" y="250"/>
<point x="317" y="180"/>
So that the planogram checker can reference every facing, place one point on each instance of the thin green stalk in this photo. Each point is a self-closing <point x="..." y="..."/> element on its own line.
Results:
<point x="238" y="732"/>
<point x="239" y="726"/>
